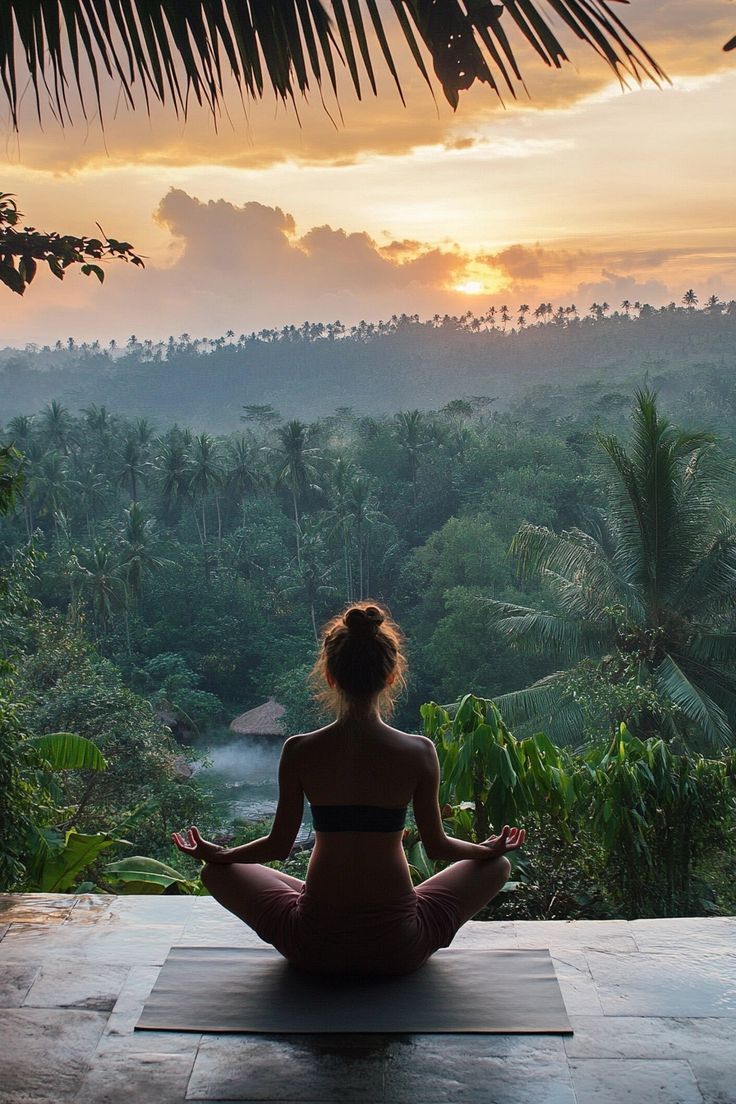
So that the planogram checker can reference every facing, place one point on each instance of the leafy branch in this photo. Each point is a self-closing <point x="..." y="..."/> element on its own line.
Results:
<point x="21" y="250"/>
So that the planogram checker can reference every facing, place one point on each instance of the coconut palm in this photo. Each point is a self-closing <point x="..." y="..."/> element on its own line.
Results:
<point x="296" y="467"/>
<point x="173" y="52"/>
<point x="56" y="426"/>
<point x="205" y="480"/>
<point x="138" y="558"/>
<point x="172" y="466"/>
<point x="650" y="590"/>
<point x="132" y="467"/>
<point x="339" y="516"/>
<point x="242" y="474"/>
<point x="101" y="585"/>
<point x="49" y="487"/>
<point x="411" y="435"/>
<point x="362" y="513"/>
<point x="312" y="577"/>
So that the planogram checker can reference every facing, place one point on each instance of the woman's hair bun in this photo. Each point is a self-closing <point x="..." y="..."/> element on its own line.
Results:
<point x="363" y="618"/>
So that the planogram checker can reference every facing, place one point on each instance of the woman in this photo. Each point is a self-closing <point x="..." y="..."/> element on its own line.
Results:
<point x="358" y="911"/>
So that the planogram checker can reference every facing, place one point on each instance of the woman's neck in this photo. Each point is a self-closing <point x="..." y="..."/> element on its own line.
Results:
<point x="361" y="712"/>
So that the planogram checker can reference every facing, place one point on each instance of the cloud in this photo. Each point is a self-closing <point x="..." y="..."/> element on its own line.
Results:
<point x="249" y="266"/>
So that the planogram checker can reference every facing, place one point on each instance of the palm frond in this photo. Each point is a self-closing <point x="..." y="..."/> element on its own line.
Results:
<point x="545" y="706"/>
<point x="578" y="558"/>
<point x="165" y="51"/>
<point x="714" y="647"/>
<point x="711" y="583"/>
<point x="695" y="703"/>
<point x="539" y="631"/>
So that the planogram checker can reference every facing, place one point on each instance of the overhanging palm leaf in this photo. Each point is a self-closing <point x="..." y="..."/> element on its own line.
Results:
<point x="696" y="705"/>
<point x="167" y="51"/>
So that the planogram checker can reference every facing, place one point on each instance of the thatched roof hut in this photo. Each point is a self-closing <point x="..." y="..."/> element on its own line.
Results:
<point x="263" y="721"/>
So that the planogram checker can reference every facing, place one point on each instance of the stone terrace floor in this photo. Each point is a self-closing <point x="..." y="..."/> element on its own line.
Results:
<point x="652" y="1004"/>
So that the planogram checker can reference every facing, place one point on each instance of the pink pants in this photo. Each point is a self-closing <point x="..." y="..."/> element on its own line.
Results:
<point x="393" y="939"/>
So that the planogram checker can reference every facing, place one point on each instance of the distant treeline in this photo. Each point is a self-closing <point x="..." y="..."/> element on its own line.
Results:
<point x="310" y="370"/>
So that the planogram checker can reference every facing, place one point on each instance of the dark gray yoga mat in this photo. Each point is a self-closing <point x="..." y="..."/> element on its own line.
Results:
<point x="224" y="989"/>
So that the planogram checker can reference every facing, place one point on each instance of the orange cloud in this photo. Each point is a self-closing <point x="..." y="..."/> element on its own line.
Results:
<point x="247" y="266"/>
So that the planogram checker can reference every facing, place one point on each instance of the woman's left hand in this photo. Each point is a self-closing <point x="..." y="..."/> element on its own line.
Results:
<point x="191" y="843"/>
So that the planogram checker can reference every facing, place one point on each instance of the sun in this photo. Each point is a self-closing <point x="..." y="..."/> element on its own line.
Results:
<point x="470" y="287"/>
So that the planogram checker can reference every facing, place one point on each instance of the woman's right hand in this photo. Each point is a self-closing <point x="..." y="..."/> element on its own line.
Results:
<point x="510" y="839"/>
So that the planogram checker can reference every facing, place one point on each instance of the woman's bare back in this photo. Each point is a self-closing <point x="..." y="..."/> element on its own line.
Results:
<point x="358" y="763"/>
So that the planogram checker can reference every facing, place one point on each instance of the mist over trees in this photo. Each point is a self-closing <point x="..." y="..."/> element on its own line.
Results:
<point x="308" y="371"/>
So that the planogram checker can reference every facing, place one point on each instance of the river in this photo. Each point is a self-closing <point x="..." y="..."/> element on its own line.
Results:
<point x="242" y="774"/>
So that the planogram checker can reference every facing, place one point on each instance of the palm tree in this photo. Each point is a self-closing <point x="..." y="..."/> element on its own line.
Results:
<point x="172" y="466"/>
<point x="174" y="51"/>
<point x="138" y="557"/>
<point x="205" y="480"/>
<point x="101" y="585"/>
<point x="339" y="516"/>
<point x="651" y="589"/>
<point x="241" y="474"/>
<point x="56" y="426"/>
<point x="296" y="467"/>
<point x="132" y="467"/>
<point x="410" y="433"/>
<point x="362" y="514"/>
<point x="311" y="577"/>
<point x="49" y="487"/>
<point x="690" y="299"/>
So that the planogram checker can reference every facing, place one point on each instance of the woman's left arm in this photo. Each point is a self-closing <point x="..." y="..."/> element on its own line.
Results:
<point x="280" y="840"/>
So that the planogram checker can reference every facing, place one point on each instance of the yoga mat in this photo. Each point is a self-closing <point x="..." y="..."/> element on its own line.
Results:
<point x="224" y="989"/>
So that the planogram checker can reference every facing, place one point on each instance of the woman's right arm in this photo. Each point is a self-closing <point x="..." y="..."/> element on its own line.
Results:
<point x="437" y="843"/>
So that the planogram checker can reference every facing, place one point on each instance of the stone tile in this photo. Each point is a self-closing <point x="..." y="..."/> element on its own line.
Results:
<point x="493" y="1069"/>
<point x="620" y="1080"/>
<point x="707" y="1044"/>
<point x="286" y="1068"/>
<point x="45" y="1053"/>
<point x="145" y="908"/>
<point x="663" y="985"/>
<point x="218" y="928"/>
<point x="109" y="942"/>
<point x="59" y="985"/>
<point x="32" y="908"/>
<point x="576" y="983"/>
<point x="15" y="981"/>
<point x="482" y="933"/>
<point x="129" y="1005"/>
<point x="604" y="935"/>
<point x="123" y="1074"/>
<point x="686" y="935"/>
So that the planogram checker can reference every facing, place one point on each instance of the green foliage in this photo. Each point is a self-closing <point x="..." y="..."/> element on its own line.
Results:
<point x="21" y="250"/>
<point x="59" y="857"/>
<point x="67" y="751"/>
<point x="636" y="817"/>
<point x="143" y="875"/>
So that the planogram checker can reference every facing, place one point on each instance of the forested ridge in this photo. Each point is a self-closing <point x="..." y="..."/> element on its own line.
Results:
<point x="306" y="371"/>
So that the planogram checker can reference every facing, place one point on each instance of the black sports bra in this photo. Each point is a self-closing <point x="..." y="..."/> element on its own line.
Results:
<point x="357" y="818"/>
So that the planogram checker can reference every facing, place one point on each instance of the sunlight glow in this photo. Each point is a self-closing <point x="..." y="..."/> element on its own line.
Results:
<point x="470" y="287"/>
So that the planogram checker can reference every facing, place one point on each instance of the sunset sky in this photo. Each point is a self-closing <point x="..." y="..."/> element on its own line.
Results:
<point x="580" y="193"/>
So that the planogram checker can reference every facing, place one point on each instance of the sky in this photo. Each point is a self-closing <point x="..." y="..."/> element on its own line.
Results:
<point x="581" y="192"/>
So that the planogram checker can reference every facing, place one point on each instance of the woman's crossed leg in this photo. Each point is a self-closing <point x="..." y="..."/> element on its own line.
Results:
<point x="245" y="888"/>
